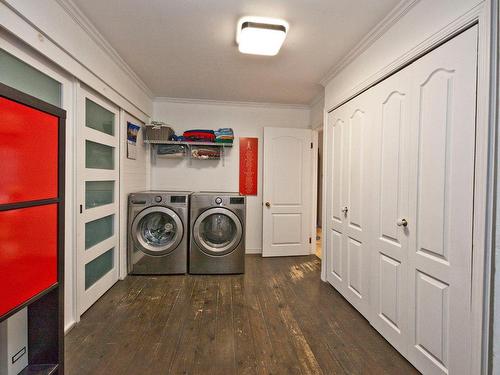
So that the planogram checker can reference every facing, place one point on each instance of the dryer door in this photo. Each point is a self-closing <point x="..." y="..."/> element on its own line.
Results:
<point x="157" y="230"/>
<point x="217" y="231"/>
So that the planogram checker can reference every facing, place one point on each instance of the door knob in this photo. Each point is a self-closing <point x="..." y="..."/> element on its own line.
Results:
<point x="268" y="204"/>
<point x="344" y="210"/>
<point x="402" y="223"/>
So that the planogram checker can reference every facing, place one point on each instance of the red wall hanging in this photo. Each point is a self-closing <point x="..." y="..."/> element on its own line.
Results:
<point x="249" y="165"/>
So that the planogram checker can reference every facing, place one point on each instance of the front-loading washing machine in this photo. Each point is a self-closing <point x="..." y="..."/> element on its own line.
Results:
<point x="158" y="232"/>
<point x="217" y="233"/>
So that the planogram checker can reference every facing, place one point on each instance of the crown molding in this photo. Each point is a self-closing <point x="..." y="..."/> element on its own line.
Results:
<point x="320" y="97"/>
<point x="166" y="99"/>
<point x="81" y="20"/>
<point x="394" y="16"/>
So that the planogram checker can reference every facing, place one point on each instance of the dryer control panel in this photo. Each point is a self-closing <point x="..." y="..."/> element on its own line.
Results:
<point x="237" y="200"/>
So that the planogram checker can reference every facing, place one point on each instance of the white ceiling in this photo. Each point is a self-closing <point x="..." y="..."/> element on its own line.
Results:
<point x="186" y="48"/>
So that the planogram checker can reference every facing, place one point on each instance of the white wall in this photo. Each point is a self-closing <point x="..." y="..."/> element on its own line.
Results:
<point x="407" y="33"/>
<point x="317" y="112"/>
<point x="134" y="176"/>
<point x="247" y="121"/>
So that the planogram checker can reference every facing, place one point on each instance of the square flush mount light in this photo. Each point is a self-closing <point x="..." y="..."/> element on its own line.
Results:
<point x="261" y="35"/>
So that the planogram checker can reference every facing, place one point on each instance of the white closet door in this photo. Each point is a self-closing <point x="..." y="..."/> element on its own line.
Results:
<point x="441" y="206"/>
<point x="337" y="162"/>
<point x="389" y="245"/>
<point x="98" y="196"/>
<point x="348" y="268"/>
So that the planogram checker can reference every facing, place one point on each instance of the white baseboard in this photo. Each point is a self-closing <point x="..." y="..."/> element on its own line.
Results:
<point x="253" y="251"/>
<point x="69" y="326"/>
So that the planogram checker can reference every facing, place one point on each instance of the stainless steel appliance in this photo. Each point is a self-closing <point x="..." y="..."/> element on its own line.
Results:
<point x="158" y="232"/>
<point x="217" y="233"/>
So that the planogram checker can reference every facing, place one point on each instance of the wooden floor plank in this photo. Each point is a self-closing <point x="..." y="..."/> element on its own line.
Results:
<point x="266" y="360"/>
<point x="224" y="357"/>
<point x="205" y="337"/>
<point x="281" y="340"/>
<point x="246" y="360"/>
<point x="185" y="354"/>
<point x="278" y="318"/>
<point x="170" y="334"/>
<point x="312" y="328"/>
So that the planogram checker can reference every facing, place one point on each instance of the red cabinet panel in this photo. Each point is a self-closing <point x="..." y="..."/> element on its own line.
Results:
<point x="28" y="254"/>
<point x="28" y="153"/>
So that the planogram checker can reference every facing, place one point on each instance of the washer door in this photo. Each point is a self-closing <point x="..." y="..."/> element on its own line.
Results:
<point x="217" y="231"/>
<point x="157" y="230"/>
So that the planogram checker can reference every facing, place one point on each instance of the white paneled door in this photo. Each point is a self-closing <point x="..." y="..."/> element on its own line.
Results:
<point x="287" y="192"/>
<point x="400" y="202"/>
<point x="98" y="198"/>
<point x="443" y="118"/>
<point x="349" y="152"/>
<point x="389" y="177"/>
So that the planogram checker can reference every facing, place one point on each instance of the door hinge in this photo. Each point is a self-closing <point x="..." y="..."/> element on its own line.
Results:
<point x="81" y="208"/>
<point x="310" y="239"/>
<point x="312" y="145"/>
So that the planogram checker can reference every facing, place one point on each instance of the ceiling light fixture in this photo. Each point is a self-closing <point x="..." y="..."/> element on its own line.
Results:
<point x="261" y="35"/>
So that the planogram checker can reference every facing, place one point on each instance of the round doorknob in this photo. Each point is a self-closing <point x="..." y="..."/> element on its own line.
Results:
<point x="268" y="204"/>
<point x="402" y="223"/>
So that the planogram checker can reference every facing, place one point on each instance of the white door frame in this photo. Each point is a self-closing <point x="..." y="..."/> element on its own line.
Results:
<point x="314" y="179"/>
<point x="484" y="219"/>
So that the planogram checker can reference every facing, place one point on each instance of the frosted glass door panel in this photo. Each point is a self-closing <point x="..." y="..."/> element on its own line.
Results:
<point x="97" y="268"/>
<point x="99" y="118"/>
<point x="23" y="77"/>
<point x="99" y="230"/>
<point x="99" y="156"/>
<point x="99" y="193"/>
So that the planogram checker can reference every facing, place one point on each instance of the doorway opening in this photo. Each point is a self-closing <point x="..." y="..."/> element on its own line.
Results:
<point x="319" y="193"/>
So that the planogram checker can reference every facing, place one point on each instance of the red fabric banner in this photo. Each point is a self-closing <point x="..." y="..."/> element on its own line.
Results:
<point x="249" y="165"/>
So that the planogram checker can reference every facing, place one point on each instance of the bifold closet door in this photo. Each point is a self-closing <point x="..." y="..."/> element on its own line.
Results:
<point x="440" y="223"/>
<point x="389" y="209"/>
<point x="349" y="155"/>
<point x="400" y="196"/>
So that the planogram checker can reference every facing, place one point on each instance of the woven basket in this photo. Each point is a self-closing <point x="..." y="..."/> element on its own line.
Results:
<point x="154" y="132"/>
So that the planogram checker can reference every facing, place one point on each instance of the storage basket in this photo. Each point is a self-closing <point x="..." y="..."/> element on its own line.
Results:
<point x="157" y="132"/>
<point x="171" y="151"/>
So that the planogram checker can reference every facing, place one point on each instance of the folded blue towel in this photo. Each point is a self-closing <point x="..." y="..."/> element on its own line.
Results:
<point x="224" y="132"/>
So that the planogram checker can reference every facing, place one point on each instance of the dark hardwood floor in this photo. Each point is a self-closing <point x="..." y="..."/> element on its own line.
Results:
<point x="278" y="318"/>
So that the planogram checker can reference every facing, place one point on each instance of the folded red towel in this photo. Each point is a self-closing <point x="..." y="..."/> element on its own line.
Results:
<point x="196" y="135"/>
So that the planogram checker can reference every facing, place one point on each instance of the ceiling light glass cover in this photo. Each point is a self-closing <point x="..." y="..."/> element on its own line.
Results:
<point x="261" y="35"/>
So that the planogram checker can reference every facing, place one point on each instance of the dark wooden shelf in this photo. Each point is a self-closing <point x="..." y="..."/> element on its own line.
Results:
<point x="40" y="370"/>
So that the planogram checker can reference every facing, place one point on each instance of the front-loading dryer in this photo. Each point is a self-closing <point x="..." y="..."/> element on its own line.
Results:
<point x="158" y="232"/>
<point x="217" y="233"/>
